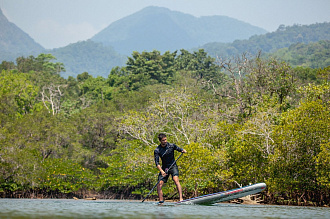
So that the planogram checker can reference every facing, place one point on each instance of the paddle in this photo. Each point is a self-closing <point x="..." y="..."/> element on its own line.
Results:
<point x="161" y="178"/>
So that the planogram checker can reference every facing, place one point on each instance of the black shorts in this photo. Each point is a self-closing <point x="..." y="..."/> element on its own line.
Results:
<point x="174" y="171"/>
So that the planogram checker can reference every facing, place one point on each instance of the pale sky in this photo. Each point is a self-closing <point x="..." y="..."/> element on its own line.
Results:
<point x="57" y="23"/>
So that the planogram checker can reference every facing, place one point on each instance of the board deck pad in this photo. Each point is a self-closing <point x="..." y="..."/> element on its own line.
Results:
<point x="225" y="195"/>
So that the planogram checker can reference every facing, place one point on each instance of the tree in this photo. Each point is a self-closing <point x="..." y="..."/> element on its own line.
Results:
<point x="298" y="140"/>
<point x="247" y="82"/>
<point x="83" y="76"/>
<point x="149" y="68"/>
<point x="250" y="147"/>
<point x="17" y="87"/>
<point x="313" y="92"/>
<point x="204" y="173"/>
<point x="283" y="81"/>
<point x="26" y="64"/>
<point x="201" y="65"/>
<point x="42" y="63"/>
<point x="7" y="66"/>
<point x="28" y="142"/>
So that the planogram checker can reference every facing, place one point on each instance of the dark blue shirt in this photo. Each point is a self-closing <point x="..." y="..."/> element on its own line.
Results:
<point x="166" y="154"/>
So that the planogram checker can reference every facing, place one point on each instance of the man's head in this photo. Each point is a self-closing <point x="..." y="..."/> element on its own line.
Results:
<point x="162" y="138"/>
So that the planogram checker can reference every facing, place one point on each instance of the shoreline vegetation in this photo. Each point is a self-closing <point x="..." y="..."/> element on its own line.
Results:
<point x="256" y="199"/>
<point x="242" y="120"/>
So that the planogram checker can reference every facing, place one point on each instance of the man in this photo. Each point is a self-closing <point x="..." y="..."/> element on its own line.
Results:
<point x="166" y="152"/>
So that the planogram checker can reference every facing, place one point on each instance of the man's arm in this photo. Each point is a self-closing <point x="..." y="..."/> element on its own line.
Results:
<point x="156" y="155"/>
<point x="179" y="149"/>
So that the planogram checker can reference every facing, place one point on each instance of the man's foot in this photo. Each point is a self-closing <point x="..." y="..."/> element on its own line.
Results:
<point x="161" y="202"/>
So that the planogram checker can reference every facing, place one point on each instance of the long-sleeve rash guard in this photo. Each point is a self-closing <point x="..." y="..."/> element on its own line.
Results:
<point x="166" y="154"/>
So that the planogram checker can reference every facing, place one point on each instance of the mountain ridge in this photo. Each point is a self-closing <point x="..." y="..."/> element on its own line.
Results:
<point x="14" y="42"/>
<point x="141" y="31"/>
<point x="99" y="58"/>
<point x="283" y="37"/>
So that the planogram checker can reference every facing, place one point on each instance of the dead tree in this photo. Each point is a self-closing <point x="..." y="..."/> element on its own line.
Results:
<point x="51" y="95"/>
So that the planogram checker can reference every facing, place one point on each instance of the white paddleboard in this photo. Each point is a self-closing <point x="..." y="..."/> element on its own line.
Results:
<point x="225" y="195"/>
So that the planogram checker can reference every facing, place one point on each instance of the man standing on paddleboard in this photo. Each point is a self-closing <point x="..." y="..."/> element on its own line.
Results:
<point x="166" y="152"/>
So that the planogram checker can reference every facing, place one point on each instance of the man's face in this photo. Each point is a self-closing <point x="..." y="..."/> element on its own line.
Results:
<point x="163" y="141"/>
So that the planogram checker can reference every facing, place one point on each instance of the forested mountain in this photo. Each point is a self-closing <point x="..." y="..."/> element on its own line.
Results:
<point x="14" y="42"/>
<point x="97" y="59"/>
<point x="162" y="29"/>
<point x="155" y="27"/>
<point x="283" y="37"/>
<point x="88" y="56"/>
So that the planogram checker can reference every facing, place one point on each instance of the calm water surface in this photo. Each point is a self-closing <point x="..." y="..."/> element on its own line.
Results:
<point x="62" y="208"/>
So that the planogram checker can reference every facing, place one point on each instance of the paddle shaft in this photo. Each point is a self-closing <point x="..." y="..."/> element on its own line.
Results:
<point x="161" y="178"/>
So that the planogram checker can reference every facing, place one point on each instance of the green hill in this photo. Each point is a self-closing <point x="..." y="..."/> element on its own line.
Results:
<point x="270" y="42"/>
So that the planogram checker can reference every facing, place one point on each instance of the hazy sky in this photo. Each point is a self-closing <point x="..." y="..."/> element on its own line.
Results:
<point x="57" y="23"/>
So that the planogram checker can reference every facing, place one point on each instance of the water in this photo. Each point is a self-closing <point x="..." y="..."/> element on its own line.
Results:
<point x="64" y="208"/>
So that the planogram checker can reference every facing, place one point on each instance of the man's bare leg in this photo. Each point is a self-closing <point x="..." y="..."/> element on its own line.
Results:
<point x="178" y="186"/>
<point x="160" y="191"/>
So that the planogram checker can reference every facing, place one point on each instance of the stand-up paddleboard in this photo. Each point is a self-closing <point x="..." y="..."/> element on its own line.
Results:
<point x="225" y="195"/>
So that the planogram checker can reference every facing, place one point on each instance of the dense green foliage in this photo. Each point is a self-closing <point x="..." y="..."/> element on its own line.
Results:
<point x="313" y="55"/>
<point x="244" y="120"/>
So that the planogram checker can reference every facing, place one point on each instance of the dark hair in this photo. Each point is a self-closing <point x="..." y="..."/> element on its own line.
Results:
<point x="161" y="136"/>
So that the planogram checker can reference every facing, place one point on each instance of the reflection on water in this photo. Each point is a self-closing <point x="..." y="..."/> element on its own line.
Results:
<point x="62" y="208"/>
